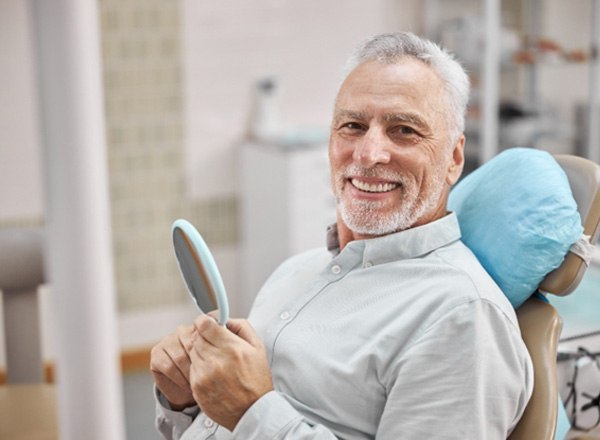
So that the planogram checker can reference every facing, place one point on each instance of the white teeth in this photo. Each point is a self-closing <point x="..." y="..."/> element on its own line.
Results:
<point x="382" y="187"/>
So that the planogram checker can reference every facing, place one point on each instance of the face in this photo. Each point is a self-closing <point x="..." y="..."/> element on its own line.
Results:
<point x="392" y="153"/>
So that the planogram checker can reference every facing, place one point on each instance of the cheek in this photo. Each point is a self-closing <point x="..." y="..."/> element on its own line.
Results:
<point x="411" y="161"/>
<point x="334" y="167"/>
<point x="339" y="155"/>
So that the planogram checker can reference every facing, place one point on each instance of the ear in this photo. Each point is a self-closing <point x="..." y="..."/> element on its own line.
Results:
<point x="457" y="161"/>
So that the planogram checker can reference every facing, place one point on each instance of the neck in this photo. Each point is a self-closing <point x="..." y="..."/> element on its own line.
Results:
<point x="346" y="235"/>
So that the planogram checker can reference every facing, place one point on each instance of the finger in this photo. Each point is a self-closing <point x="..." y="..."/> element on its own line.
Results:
<point x="197" y="359"/>
<point x="176" y="396"/>
<point x="200" y="345"/>
<point x="171" y="357"/>
<point x="180" y="374"/>
<point x="244" y="330"/>
<point x="197" y="368"/>
<point x="210" y="331"/>
<point x="165" y="384"/>
<point x="194" y="343"/>
<point x="214" y="314"/>
<point x="187" y="340"/>
<point x="180" y="354"/>
<point x="163" y="364"/>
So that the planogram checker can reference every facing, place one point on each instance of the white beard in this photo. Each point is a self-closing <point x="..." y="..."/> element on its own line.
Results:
<point x="368" y="218"/>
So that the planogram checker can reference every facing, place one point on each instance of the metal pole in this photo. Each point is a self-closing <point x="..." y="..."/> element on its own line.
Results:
<point x="491" y="76"/>
<point x="532" y="74"/>
<point x="593" y="147"/>
<point x="432" y="19"/>
<point x="78" y="222"/>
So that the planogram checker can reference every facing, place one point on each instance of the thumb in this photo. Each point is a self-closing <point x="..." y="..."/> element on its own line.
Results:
<point x="244" y="330"/>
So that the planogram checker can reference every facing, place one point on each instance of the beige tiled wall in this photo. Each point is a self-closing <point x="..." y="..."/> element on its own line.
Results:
<point x="142" y="71"/>
<point x="141" y="50"/>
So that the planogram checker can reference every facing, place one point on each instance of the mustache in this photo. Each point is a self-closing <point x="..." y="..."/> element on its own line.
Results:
<point x="376" y="172"/>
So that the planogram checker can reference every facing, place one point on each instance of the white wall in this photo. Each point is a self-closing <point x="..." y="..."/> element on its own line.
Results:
<point x="229" y="44"/>
<point x="20" y="180"/>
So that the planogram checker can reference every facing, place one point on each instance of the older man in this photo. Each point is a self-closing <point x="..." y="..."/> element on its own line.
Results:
<point x="395" y="331"/>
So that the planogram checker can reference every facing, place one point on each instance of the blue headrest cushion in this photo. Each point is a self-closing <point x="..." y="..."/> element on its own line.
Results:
<point x="518" y="216"/>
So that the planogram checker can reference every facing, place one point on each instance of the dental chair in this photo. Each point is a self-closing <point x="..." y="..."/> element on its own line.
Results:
<point x="512" y="221"/>
<point x="539" y="322"/>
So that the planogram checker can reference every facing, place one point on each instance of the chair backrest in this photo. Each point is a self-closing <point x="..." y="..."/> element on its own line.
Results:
<point x="21" y="272"/>
<point x="539" y="321"/>
<point x="540" y="328"/>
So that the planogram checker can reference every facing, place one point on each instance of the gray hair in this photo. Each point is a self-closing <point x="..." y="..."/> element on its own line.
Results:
<point x="391" y="48"/>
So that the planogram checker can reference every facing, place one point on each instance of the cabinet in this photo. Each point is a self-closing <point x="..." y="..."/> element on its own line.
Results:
<point x="286" y="205"/>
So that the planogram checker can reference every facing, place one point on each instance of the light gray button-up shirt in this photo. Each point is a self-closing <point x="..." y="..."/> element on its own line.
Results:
<point x="399" y="337"/>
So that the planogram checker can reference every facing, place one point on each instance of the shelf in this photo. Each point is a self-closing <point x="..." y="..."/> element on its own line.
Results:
<point x="496" y="52"/>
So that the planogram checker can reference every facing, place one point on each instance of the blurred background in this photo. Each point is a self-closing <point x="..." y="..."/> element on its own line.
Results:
<point x="218" y="112"/>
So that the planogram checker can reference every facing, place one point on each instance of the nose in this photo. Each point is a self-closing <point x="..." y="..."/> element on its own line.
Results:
<point x="372" y="149"/>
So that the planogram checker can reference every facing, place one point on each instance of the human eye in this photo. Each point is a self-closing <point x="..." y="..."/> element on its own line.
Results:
<point x="404" y="132"/>
<point x="351" y="128"/>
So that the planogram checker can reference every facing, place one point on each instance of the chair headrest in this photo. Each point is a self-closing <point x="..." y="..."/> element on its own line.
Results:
<point x="519" y="217"/>
<point x="584" y="180"/>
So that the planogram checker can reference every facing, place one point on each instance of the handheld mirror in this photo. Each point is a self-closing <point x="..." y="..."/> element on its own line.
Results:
<point x="199" y="270"/>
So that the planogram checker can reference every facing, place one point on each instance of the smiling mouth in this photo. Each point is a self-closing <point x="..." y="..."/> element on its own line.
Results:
<point x="373" y="187"/>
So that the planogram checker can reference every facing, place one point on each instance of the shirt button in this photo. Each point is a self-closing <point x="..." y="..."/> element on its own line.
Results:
<point x="368" y="264"/>
<point x="285" y="316"/>
<point x="208" y="423"/>
<point x="336" y="269"/>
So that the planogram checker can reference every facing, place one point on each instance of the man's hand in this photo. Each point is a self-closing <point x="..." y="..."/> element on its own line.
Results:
<point x="230" y="370"/>
<point x="170" y="366"/>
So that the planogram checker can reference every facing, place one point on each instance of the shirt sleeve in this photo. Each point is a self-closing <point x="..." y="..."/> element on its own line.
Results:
<point x="172" y="424"/>
<point x="270" y="417"/>
<point x="467" y="376"/>
<point x="273" y="417"/>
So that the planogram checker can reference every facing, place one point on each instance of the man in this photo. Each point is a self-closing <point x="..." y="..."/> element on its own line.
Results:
<point x="401" y="333"/>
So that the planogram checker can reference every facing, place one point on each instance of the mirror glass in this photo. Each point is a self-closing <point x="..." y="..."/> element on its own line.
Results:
<point x="199" y="270"/>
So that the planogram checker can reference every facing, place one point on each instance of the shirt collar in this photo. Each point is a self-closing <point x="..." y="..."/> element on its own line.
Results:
<point x="410" y="243"/>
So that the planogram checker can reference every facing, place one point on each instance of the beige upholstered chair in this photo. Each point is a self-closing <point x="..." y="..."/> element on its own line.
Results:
<point x="540" y="323"/>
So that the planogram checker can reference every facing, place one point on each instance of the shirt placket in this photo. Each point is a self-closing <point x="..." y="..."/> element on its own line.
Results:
<point x="337" y="269"/>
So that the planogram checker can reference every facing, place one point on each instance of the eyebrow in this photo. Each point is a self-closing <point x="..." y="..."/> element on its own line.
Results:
<point x="408" y="117"/>
<point x="349" y="114"/>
